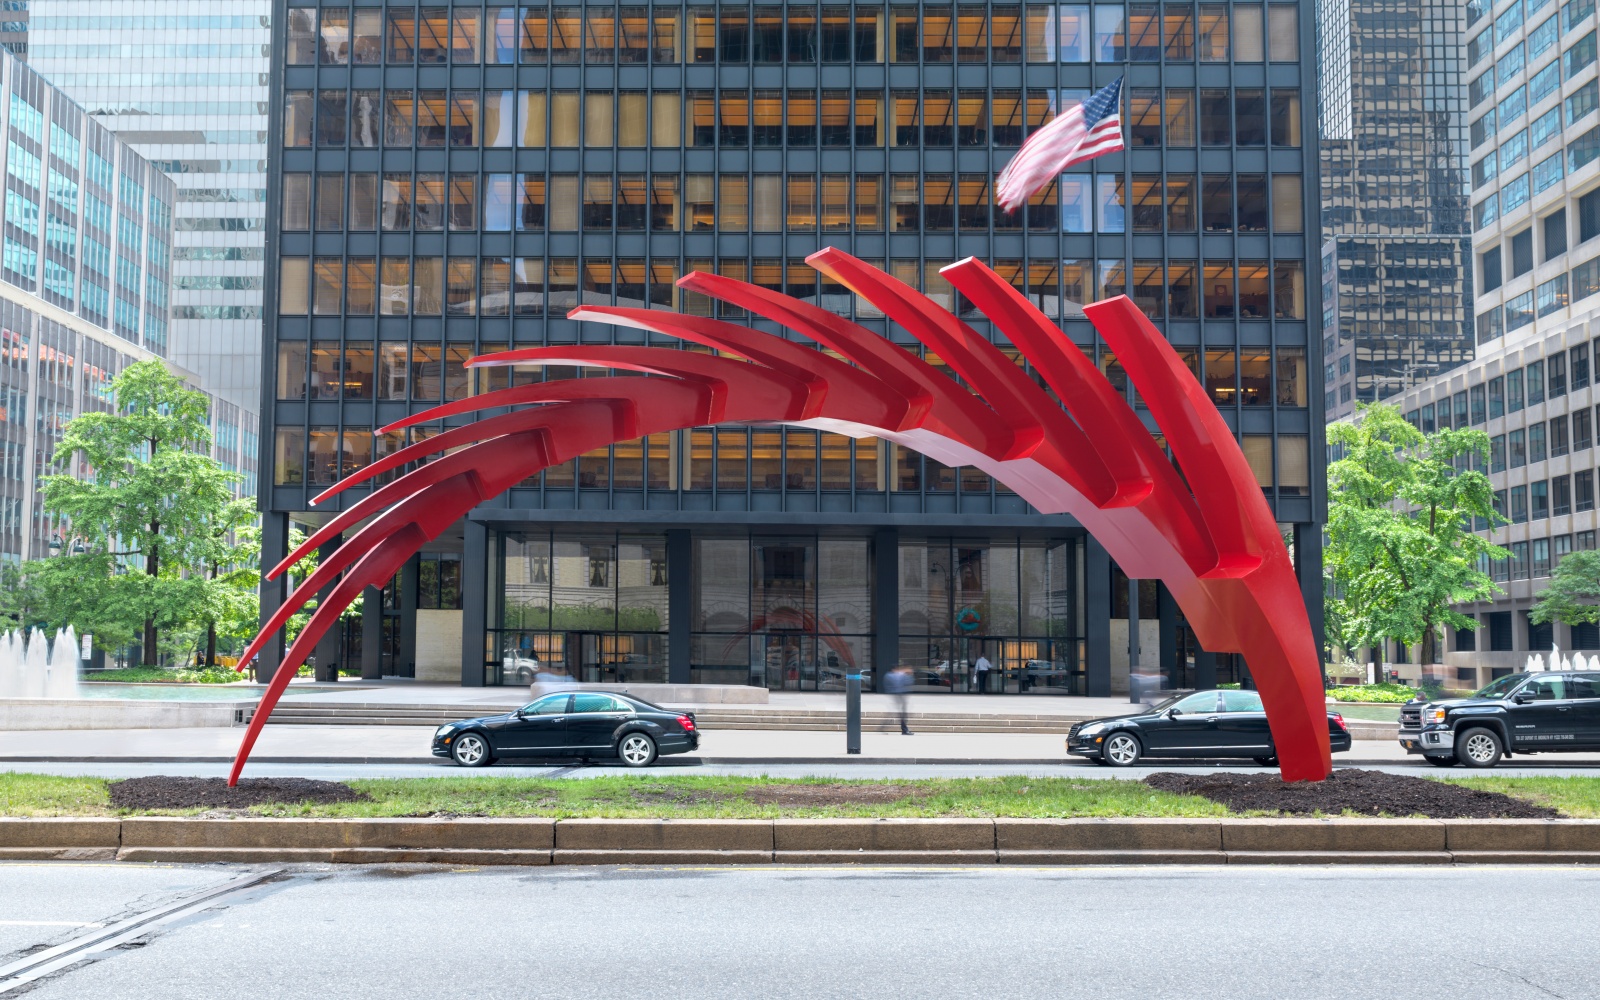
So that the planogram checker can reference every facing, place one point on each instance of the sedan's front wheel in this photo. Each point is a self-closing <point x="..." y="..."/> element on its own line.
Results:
<point x="471" y="750"/>
<point x="637" y="750"/>
<point x="1121" y="750"/>
<point x="1267" y="761"/>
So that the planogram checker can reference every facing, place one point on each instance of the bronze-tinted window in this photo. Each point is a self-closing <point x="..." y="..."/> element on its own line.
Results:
<point x="972" y="34"/>
<point x="466" y="36"/>
<point x="433" y="35"/>
<point x="366" y="47"/>
<point x="401" y="36"/>
<point x="1146" y="204"/>
<point x="1252" y="202"/>
<point x="633" y="35"/>
<point x="1182" y="298"/>
<point x="1180" y="204"/>
<point x="533" y="36"/>
<point x="802" y="115"/>
<point x="433" y="116"/>
<point x="566" y="35"/>
<point x="1144" y="117"/>
<point x="1006" y="118"/>
<point x="1216" y="203"/>
<point x="938" y="34"/>
<point x="1180" y="116"/>
<point x="599" y="35"/>
<point x="399" y="111"/>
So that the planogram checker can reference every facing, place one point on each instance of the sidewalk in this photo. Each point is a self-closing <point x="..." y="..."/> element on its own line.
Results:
<point x="411" y="693"/>
<point x="410" y="744"/>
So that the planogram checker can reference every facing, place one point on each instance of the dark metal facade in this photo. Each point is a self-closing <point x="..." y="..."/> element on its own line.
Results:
<point x="1395" y="265"/>
<point x="449" y="180"/>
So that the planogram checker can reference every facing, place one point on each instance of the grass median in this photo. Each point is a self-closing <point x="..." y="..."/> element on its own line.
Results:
<point x="675" y="797"/>
<point x="706" y="797"/>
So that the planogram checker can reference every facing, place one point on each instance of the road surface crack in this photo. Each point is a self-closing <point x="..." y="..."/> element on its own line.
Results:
<point x="1525" y="979"/>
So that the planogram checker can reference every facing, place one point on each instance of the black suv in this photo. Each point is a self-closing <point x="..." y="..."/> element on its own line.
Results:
<point x="1555" y="711"/>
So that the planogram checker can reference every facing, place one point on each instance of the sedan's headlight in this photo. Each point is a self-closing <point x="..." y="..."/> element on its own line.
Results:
<point x="1093" y="729"/>
<point x="1433" y="716"/>
<point x="443" y="729"/>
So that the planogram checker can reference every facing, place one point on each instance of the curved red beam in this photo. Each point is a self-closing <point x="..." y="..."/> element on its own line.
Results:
<point x="1222" y="559"/>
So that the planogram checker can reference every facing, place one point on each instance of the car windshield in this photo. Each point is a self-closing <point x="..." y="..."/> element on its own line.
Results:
<point x="1501" y="687"/>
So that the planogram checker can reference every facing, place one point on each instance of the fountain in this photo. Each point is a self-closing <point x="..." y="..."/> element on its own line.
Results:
<point x="34" y="667"/>
<point x="39" y="689"/>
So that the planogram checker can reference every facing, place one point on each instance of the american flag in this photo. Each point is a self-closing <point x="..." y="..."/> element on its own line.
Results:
<point x="1091" y="129"/>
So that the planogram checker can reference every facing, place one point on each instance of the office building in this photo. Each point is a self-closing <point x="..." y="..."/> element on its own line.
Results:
<point x="446" y="181"/>
<point x="1396" y="301"/>
<point x="1535" y="214"/>
<point x="84" y="276"/>
<point x="185" y="84"/>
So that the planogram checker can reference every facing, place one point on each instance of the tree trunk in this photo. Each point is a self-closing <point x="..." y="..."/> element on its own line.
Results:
<point x="211" y="632"/>
<point x="152" y="565"/>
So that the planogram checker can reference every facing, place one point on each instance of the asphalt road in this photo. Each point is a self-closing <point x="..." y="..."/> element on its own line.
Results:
<point x="1109" y="933"/>
<point x="1551" y="765"/>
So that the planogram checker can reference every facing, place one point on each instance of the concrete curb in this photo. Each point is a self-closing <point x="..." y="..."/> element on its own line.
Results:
<point x="1010" y="841"/>
<point x="667" y="763"/>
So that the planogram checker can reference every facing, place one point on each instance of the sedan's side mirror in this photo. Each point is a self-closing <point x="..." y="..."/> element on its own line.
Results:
<point x="1174" y="711"/>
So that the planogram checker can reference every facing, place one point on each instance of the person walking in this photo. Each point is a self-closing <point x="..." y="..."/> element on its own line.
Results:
<point x="898" y="683"/>
<point x="981" y="669"/>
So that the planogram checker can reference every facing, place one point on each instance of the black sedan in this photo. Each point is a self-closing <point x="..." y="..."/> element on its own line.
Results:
<point x="1203" y="724"/>
<point x="581" y="724"/>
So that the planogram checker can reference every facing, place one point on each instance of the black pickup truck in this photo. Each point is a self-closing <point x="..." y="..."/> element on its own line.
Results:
<point x="1549" y="712"/>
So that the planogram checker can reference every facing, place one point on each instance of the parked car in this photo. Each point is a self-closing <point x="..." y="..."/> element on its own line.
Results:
<point x="1203" y="724"/>
<point x="1547" y="712"/>
<point x="581" y="724"/>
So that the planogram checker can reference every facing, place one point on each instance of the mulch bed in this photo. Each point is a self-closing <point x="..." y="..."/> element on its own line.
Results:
<point x="1370" y="793"/>
<point x="162" y="791"/>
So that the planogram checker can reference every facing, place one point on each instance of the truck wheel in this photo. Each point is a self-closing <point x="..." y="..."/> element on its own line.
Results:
<point x="1438" y="761"/>
<point x="1478" y="748"/>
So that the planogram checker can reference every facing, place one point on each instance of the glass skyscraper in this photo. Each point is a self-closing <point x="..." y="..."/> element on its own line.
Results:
<point x="1395" y="258"/>
<point x="451" y="179"/>
<point x="185" y="83"/>
<point x="1534" y="133"/>
<point x="86" y="234"/>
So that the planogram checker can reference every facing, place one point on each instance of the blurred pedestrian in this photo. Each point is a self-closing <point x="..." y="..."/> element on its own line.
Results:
<point x="898" y="683"/>
<point x="981" y="670"/>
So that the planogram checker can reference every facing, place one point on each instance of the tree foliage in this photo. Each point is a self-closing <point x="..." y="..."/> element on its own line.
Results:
<point x="149" y="525"/>
<point x="22" y="600"/>
<point x="1574" y="587"/>
<point x="1400" y="547"/>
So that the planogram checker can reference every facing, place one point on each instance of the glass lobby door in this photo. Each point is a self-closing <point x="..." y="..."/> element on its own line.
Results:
<point x="583" y="657"/>
<point x="788" y="666"/>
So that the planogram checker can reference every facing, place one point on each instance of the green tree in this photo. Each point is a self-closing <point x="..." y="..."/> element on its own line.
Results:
<point x="149" y="524"/>
<point x="22" y="601"/>
<point x="1575" y="581"/>
<point x="1400" y="548"/>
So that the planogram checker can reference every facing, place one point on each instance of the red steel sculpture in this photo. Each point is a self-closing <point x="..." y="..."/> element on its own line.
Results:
<point x="1208" y="535"/>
